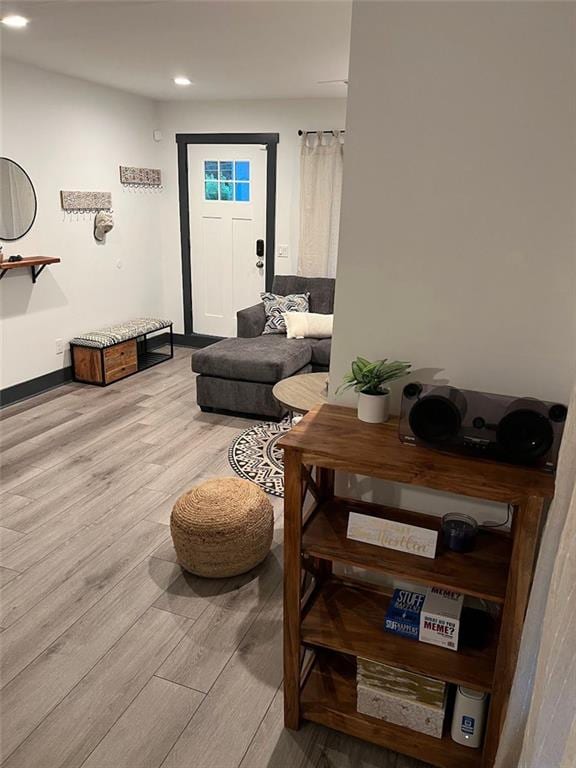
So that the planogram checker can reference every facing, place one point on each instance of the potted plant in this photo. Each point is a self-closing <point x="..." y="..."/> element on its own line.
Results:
<point x="368" y="379"/>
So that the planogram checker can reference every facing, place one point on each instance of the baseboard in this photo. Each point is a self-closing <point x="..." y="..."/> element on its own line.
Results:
<point x="35" y="386"/>
<point x="198" y="340"/>
<point x="53" y="379"/>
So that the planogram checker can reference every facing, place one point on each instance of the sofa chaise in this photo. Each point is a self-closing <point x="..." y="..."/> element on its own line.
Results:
<point x="237" y="375"/>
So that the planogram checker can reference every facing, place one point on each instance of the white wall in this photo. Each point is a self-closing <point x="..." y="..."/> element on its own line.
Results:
<point x="457" y="246"/>
<point x="70" y="134"/>
<point x="285" y="117"/>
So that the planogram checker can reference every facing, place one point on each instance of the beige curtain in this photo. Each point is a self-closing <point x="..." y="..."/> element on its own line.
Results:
<point x="321" y="162"/>
<point x="540" y="727"/>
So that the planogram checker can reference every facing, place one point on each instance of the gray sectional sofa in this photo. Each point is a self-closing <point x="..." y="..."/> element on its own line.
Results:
<point x="237" y="375"/>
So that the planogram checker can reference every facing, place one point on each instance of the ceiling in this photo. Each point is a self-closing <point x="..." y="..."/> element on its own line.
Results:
<point x="229" y="49"/>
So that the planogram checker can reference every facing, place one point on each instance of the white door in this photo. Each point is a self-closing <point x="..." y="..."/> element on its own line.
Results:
<point x="227" y="192"/>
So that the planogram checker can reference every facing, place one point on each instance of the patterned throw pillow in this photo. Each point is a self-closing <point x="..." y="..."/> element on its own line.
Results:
<point x="275" y="306"/>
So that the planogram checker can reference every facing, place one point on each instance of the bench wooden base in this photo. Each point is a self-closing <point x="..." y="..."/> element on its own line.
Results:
<point x="103" y="366"/>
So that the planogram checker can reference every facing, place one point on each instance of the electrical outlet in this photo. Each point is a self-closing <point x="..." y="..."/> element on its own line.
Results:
<point x="59" y="346"/>
<point x="282" y="251"/>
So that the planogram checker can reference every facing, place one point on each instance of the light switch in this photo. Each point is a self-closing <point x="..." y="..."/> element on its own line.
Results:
<point x="282" y="251"/>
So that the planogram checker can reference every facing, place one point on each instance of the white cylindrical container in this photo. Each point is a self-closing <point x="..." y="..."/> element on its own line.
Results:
<point x="374" y="409"/>
<point x="469" y="716"/>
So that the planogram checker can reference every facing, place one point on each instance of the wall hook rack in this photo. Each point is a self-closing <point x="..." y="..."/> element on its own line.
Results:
<point x="85" y="202"/>
<point x="140" y="177"/>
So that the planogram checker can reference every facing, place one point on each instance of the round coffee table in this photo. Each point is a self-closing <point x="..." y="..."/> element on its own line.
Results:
<point x="301" y="393"/>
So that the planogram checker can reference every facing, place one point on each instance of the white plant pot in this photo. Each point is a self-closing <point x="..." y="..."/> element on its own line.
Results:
<point x="374" y="409"/>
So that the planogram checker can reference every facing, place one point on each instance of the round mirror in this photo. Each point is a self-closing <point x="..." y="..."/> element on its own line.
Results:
<point x="17" y="201"/>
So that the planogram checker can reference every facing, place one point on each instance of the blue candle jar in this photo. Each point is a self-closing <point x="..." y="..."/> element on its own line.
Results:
<point x="459" y="532"/>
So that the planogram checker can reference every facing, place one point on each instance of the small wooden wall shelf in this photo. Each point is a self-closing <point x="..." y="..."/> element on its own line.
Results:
<point x="36" y="264"/>
<point x="339" y="620"/>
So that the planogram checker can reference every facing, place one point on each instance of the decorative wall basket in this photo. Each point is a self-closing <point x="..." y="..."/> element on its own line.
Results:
<point x="85" y="201"/>
<point x="140" y="177"/>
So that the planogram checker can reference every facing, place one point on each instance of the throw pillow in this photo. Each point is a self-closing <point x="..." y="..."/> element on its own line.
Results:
<point x="275" y="306"/>
<point x="308" y="325"/>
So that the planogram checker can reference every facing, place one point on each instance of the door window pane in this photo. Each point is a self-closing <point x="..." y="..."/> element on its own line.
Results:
<point x="226" y="170"/>
<point x="226" y="191"/>
<point x="242" y="192"/>
<point x="242" y="170"/>
<point x="211" y="190"/>
<point x="211" y="169"/>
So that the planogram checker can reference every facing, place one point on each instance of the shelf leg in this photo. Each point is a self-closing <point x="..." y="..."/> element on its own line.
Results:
<point x="526" y="529"/>
<point x="292" y="551"/>
<point x="325" y="482"/>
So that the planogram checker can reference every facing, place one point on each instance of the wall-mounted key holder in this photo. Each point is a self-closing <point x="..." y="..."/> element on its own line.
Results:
<point x="85" y="202"/>
<point x="140" y="177"/>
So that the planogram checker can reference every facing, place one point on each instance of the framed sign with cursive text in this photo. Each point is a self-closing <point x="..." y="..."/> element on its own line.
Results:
<point x="387" y="533"/>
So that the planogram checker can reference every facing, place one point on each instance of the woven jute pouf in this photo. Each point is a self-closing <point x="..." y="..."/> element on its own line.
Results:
<point x="222" y="528"/>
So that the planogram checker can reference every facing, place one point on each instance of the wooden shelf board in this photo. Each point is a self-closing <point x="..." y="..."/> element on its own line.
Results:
<point x="329" y="698"/>
<point x="332" y="436"/>
<point x="351" y="620"/>
<point x="33" y="261"/>
<point x="481" y="573"/>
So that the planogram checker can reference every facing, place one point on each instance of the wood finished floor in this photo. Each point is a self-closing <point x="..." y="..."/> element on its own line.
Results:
<point x="111" y="656"/>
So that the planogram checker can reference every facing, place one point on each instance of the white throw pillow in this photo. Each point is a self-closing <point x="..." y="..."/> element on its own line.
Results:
<point x="308" y="325"/>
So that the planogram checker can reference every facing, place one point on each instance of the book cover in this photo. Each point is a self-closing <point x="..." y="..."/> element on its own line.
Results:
<point x="440" y="617"/>
<point x="403" y="614"/>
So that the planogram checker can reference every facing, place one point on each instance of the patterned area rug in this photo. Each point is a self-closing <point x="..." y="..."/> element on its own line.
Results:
<point x="255" y="456"/>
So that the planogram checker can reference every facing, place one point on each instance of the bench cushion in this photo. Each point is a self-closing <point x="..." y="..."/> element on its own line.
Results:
<point x="263" y="358"/>
<point x="113" y="334"/>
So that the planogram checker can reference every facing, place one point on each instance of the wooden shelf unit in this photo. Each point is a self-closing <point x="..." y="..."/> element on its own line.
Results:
<point x="340" y="621"/>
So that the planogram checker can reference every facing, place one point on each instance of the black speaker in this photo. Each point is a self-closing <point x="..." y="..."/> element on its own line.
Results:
<point x="518" y="430"/>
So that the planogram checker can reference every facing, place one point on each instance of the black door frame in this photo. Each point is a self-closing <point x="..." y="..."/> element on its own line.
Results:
<point x="270" y="140"/>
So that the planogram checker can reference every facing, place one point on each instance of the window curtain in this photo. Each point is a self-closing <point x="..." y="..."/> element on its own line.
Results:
<point x="540" y="726"/>
<point x="321" y="162"/>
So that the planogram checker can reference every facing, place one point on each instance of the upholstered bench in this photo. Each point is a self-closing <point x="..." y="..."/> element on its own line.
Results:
<point x="112" y="353"/>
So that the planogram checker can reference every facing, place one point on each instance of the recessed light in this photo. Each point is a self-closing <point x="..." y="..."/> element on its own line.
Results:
<point x="14" y="21"/>
<point x="181" y="80"/>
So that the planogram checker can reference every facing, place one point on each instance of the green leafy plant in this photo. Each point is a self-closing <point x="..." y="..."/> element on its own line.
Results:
<point x="369" y="378"/>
